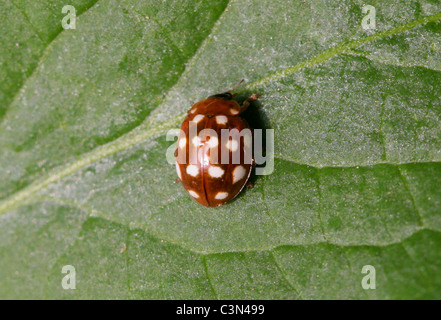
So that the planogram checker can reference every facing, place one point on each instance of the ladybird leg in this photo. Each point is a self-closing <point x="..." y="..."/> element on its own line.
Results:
<point x="177" y="180"/>
<point x="246" y="103"/>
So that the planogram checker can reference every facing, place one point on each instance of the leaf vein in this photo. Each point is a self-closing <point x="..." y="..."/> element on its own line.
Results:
<point x="40" y="59"/>
<point x="285" y="277"/>
<point x="93" y="213"/>
<point x="204" y="263"/>
<point x="411" y="196"/>
<point x="139" y="134"/>
<point x="343" y="47"/>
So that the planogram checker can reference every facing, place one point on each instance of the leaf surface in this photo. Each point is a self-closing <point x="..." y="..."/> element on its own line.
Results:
<point x="84" y="179"/>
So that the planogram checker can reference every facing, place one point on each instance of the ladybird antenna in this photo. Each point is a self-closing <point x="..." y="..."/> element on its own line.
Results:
<point x="235" y="87"/>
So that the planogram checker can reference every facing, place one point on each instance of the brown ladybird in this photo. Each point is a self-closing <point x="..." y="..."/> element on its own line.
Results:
<point x="213" y="155"/>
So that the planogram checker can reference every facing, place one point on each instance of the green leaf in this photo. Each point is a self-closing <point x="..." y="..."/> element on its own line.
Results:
<point x="84" y="179"/>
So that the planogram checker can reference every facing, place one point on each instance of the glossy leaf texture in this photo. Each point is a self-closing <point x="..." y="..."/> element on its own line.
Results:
<point x="84" y="179"/>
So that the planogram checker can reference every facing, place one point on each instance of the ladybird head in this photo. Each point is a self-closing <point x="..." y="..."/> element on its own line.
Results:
<point x="218" y="104"/>
<point x="224" y="96"/>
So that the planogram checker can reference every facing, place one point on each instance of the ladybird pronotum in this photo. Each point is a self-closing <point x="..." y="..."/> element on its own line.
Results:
<point x="213" y="155"/>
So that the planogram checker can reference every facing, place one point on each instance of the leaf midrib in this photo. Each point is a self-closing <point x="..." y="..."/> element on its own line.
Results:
<point x="144" y="131"/>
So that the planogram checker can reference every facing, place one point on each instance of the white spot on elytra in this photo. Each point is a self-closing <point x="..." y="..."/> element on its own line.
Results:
<point x="221" y="119"/>
<point x="193" y="194"/>
<point x="193" y="110"/>
<point x="233" y="111"/>
<point x="182" y="142"/>
<point x="196" y="141"/>
<point x="215" y="171"/>
<point x="238" y="173"/>
<point x="193" y="170"/>
<point x="213" y="142"/>
<point x="198" y="118"/>
<point x="233" y="145"/>
<point x="221" y="195"/>
<point x="178" y="171"/>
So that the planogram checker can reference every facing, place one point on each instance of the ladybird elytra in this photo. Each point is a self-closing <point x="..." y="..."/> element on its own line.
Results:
<point x="213" y="155"/>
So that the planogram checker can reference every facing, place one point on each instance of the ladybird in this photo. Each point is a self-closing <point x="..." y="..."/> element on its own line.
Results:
<point x="213" y="154"/>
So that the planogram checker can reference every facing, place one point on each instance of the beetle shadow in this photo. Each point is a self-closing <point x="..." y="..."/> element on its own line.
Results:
<point x="257" y="119"/>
